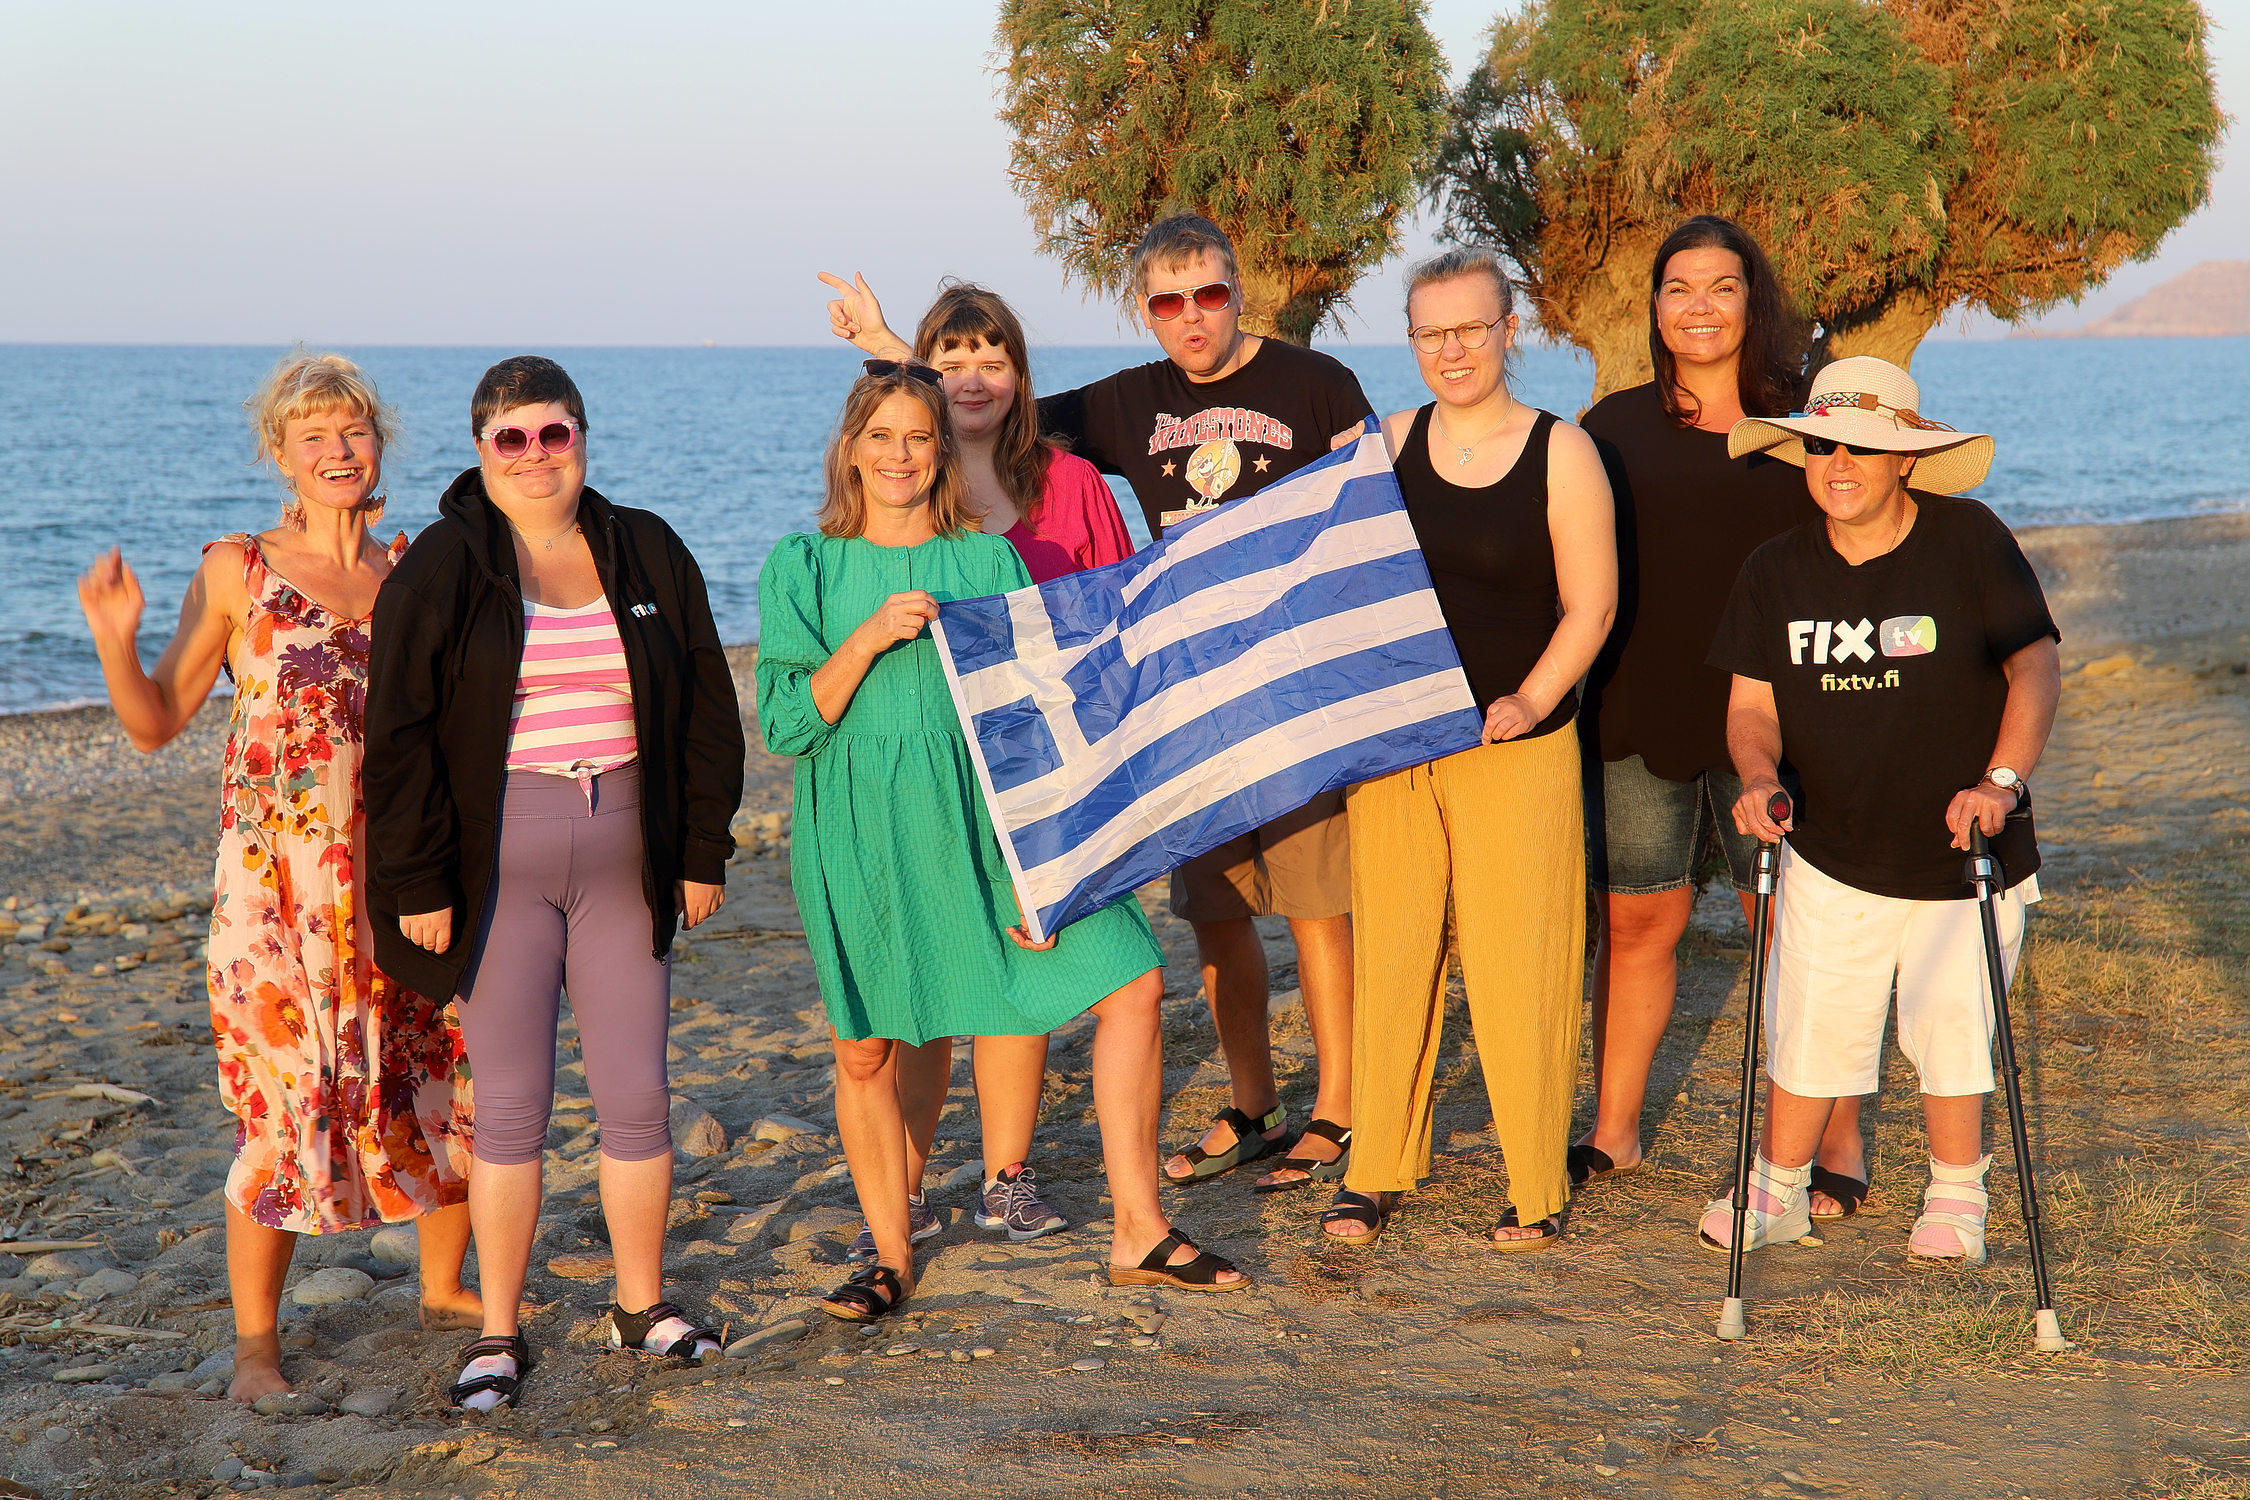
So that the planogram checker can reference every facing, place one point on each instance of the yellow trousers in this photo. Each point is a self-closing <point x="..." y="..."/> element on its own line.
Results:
<point x="1499" y="831"/>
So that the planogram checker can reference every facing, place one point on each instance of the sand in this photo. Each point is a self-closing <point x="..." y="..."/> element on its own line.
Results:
<point x="1427" y="1366"/>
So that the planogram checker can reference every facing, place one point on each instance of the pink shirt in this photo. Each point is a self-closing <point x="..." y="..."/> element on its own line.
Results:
<point x="1079" y="526"/>
<point x="574" y="702"/>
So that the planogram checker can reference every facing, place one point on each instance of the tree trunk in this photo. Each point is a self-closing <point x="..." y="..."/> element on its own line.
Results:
<point x="1892" y="332"/>
<point x="1285" y="303"/>
<point x="1612" y="315"/>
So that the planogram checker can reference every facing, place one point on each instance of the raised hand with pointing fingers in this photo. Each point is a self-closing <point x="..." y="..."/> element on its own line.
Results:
<point x="857" y="318"/>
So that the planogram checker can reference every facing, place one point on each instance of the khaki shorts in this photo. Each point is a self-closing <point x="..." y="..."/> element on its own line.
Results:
<point x="1299" y="865"/>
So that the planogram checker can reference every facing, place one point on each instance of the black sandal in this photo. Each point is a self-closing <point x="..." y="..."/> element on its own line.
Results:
<point x="510" y="1344"/>
<point x="1250" y="1144"/>
<point x="1589" y="1163"/>
<point x="871" y="1294"/>
<point x="1315" y="1171"/>
<point x="1550" y="1232"/>
<point x="1849" y="1192"/>
<point x="628" y="1330"/>
<point x="1198" y="1275"/>
<point x="1371" y="1209"/>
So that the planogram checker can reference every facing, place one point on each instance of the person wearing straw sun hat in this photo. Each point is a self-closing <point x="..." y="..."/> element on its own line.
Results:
<point x="1899" y="651"/>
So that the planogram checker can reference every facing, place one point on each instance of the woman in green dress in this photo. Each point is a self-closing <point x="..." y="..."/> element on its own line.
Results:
<point x="907" y="905"/>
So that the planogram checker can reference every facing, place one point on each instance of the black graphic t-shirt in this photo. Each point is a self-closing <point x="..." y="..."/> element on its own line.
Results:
<point x="1187" y="446"/>
<point x="1887" y="678"/>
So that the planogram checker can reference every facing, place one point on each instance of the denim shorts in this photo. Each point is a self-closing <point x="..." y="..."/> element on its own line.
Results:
<point x="1645" y="834"/>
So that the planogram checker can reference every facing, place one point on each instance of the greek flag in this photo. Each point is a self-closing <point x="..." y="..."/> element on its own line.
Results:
<point x="1127" y="719"/>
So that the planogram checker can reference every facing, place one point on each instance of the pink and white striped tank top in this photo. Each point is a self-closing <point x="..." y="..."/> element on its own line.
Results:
<point x="573" y="712"/>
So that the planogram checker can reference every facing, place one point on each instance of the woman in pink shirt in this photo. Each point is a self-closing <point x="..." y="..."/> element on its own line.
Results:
<point x="1059" y="513"/>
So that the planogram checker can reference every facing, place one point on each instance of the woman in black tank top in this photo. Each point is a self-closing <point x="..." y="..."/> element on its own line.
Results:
<point x="1513" y="511"/>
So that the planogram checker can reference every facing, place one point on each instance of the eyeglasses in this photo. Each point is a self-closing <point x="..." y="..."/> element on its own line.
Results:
<point x="884" y="369"/>
<point x="515" y="442"/>
<point x="1468" y="335"/>
<point x="1822" y="447"/>
<point x="1212" y="296"/>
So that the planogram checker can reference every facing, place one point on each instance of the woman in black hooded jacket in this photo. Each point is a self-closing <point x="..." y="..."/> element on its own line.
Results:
<point x="554" y="752"/>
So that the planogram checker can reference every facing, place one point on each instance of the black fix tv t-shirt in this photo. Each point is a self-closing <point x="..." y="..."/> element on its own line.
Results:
<point x="1188" y="445"/>
<point x="1887" y="678"/>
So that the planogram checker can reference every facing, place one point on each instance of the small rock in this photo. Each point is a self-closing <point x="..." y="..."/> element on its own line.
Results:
<point x="1143" y="1340"/>
<point x="290" y="1404"/>
<point x="227" y="1470"/>
<point x="1033" y="1299"/>
<point x="373" y="1401"/>
<point x="106" y="1283"/>
<point x="481" y="1449"/>
<point x="82" y="1374"/>
<point x="737" y="1422"/>
<point x="212" y="1387"/>
<point x="1090" y="1363"/>
<point x="59" y="1265"/>
<point x="297" y="1480"/>
<point x="397" y="1245"/>
<point x="330" y="1286"/>
<point x="695" y="1132"/>
<point x="787" y="1328"/>
<point x="178" y="1380"/>
<point x="1605" y="1471"/>
<point x="834" y="1380"/>
<point x="933" y="1353"/>
<point x="220" y="1364"/>
<point x="896" y="1350"/>
<point x="782" y="1128"/>
<point x="983" y="1351"/>
<point x="601" y="1443"/>
<point x="600" y="1424"/>
<point x="583" y="1266"/>
<point x="962" y="1356"/>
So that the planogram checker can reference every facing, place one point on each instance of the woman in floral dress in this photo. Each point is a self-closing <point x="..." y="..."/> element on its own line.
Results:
<point x="348" y="1108"/>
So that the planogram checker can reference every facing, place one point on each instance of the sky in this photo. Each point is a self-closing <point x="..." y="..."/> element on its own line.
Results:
<point x="573" y="173"/>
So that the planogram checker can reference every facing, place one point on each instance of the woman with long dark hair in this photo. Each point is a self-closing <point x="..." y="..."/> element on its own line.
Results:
<point x="1725" y="344"/>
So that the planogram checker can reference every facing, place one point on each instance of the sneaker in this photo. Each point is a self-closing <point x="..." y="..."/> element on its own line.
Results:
<point x="1011" y="1201"/>
<point x="921" y="1222"/>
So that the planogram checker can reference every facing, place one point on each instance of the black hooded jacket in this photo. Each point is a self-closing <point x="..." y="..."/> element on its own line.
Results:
<point x="447" y="643"/>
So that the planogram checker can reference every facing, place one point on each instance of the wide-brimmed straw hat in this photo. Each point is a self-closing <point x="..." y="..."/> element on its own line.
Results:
<point x="1871" y="405"/>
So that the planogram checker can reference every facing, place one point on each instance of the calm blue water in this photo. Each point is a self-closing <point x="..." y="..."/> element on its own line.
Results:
<point x="149" y="448"/>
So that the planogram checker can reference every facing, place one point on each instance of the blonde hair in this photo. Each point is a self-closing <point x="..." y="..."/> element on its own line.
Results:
<point x="844" y="512"/>
<point x="304" y="384"/>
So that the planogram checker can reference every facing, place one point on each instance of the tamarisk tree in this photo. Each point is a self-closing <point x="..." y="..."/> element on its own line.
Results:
<point x="1301" y="127"/>
<point x="1896" y="158"/>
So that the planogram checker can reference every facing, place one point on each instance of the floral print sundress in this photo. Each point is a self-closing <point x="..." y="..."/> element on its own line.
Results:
<point x="350" y="1091"/>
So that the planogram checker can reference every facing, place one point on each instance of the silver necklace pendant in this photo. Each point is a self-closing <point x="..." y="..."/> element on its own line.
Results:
<point x="1466" y="453"/>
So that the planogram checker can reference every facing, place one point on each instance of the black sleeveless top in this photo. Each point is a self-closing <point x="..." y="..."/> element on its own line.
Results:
<point x="1492" y="561"/>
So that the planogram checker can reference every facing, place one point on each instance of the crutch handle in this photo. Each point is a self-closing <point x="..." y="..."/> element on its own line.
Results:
<point x="1780" y="807"/>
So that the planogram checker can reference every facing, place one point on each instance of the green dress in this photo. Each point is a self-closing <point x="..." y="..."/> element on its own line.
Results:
<point x="903" y="890"/>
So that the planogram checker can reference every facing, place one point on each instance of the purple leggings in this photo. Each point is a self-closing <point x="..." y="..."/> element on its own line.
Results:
<point x="567" y="911"/>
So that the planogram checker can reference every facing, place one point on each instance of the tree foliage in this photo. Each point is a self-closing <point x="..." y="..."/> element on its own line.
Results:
<point x="1897" y="158"/>
<point x="1301" y="127"/>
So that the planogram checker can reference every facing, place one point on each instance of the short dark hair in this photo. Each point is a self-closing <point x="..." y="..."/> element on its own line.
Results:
<point x="1167" y="242"/>
<point x="523" y="380"/>
<point x="1770" y="376"/>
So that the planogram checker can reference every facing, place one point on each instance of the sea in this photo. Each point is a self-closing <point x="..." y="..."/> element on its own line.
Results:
<point x="148" y="449"/>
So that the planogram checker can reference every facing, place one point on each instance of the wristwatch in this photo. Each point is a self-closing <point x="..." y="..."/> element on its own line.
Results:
<point x="2006" y="779"/>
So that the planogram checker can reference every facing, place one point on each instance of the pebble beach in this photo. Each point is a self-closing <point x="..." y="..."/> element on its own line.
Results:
<point x="1420" y="1368"/>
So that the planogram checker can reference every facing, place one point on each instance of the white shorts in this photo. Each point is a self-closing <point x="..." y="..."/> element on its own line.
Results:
<point x="1834" y="956"/>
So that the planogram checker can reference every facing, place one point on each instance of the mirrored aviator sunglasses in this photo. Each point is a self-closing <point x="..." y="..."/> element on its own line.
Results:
<point x="1212" y="296"/>
<point x="515" y="442"/>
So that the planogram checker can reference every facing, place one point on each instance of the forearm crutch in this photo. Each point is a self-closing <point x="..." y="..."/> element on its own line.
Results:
<point x="1765" y="880"/>
<point x="1984" y="875"/>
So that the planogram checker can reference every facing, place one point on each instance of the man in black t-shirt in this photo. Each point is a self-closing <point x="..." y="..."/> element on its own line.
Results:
<point x="1899" y="652"/>
<point x="1224" y="414"/>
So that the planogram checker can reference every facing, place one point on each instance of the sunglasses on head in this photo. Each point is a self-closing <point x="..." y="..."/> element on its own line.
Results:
<point x="884" y="369"/>
<point x="514" y="442"/>
<point x="1212" y="296"/>
<point x="1820" y="447"/>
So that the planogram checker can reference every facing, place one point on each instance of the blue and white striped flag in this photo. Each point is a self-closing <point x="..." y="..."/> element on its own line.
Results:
<point x="1127" y="719"/>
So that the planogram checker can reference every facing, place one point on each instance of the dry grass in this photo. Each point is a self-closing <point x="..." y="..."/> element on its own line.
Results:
<point x="2133" y="1022"/>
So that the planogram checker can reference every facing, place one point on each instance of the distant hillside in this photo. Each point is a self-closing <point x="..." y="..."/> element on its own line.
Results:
<point x="2211" y="300"/>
